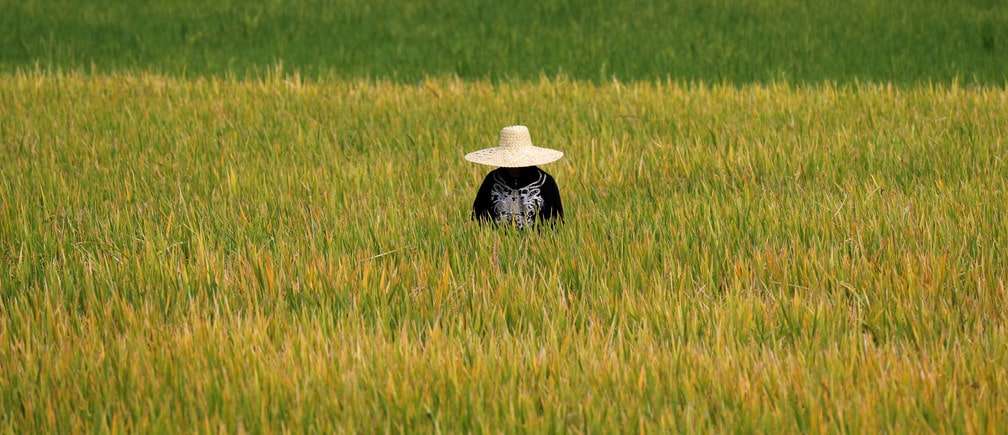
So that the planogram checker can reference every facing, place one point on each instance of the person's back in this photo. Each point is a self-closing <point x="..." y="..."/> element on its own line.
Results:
<point x="520" y="196"/>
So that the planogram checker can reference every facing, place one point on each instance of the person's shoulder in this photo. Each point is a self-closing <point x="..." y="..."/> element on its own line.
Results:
<point x="490" y="175"/>
<point x="490" y="178"/>
<point x="545" y="174"/>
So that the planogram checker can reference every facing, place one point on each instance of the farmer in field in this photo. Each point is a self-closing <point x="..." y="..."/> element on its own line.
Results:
<point x="517" y="192"/>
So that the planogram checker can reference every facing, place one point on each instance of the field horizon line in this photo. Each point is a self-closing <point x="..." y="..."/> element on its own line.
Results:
<point x="278" y="74"/>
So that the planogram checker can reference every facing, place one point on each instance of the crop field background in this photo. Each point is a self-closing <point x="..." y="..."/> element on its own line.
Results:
<point x="713" y="41"/>
<point x="797" y="227"/>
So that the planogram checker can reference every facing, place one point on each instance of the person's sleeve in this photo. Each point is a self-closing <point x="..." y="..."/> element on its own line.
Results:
<point x="481" y="205"/>
<point x="552" y="206"/>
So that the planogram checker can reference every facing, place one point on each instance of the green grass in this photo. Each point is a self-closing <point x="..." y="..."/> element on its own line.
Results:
<point x="275" y="254"/>
<point x="744" y="41"/>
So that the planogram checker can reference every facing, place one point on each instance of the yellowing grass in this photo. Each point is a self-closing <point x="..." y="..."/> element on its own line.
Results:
<point x="261" y="255"/>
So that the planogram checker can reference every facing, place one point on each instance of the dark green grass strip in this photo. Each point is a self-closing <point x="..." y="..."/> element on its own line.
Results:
<point x="719" y="41"/>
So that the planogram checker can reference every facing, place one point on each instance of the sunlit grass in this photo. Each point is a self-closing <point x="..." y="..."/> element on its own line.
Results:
<point x="280" y="254"/>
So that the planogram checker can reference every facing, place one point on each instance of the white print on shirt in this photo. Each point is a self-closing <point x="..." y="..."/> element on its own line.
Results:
<point x="519" y="206"/>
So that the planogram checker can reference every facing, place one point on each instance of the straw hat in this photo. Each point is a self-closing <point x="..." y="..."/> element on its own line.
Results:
<point x="514" y="150"/>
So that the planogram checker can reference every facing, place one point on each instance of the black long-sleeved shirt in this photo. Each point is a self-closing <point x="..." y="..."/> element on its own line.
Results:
<point x="528" y="197"/>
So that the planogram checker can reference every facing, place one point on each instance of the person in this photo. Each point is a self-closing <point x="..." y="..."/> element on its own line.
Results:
<point x="518" y="192"/>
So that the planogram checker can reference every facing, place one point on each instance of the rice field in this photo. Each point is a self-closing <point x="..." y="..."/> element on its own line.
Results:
<point x="782" y="216"/>
<point x="906" y="42"/>
<point x="274" y="254"/>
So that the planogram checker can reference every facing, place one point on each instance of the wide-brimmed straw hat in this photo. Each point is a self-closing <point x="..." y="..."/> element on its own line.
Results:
<point x="514" y="150"/>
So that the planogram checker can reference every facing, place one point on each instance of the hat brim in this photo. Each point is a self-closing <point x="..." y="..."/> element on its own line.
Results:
<point x="514" y="158"/>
